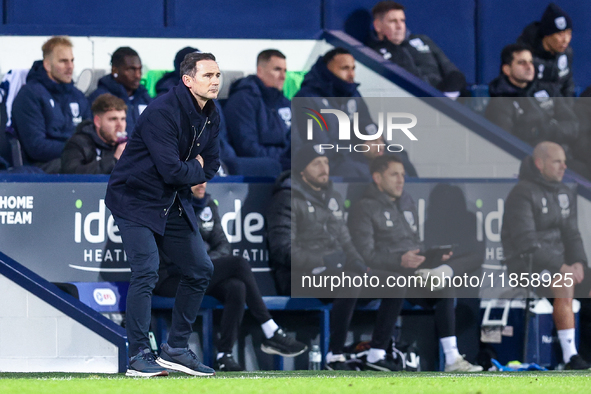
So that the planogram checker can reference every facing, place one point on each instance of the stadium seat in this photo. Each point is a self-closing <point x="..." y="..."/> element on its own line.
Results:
<point x="227" y="78"/>
<point x="150" y="79"/>
<point x="87" y="81"/>
<point x="293" y="82"/>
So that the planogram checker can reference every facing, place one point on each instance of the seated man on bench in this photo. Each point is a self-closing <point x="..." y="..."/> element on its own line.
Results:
<point x="541" y="218"/>
<point x="232" y="283"/>
<point x="384" y="229"/>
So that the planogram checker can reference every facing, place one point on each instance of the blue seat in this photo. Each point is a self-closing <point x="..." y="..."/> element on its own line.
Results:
<point x="273" y="303"/>
<point x="109" y="297"/>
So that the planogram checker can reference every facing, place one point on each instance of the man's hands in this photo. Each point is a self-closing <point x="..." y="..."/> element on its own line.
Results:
<point x="200" y="160"/>
<point x="119" y="150"/>
<point x="576" y="270"/>
<point x="412" y="259"/>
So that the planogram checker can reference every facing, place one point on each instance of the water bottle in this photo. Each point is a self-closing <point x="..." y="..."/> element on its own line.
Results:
<point x="315" y="358"/>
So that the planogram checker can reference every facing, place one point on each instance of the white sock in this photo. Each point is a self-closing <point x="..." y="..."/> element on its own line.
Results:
<point x="567" y="343"/>
<point x="220" y="355"/>
<point x="334" y="357"/>
<point x="450" y="348"/>
<point x="375" y="355"/>
<point x="269" y="327"/>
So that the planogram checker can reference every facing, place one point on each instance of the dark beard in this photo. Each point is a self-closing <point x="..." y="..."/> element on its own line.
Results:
<point x="321" y="185"/>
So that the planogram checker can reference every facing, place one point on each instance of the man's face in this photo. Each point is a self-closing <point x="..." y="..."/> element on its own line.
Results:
<point x="391" y="26"/>
<point x="109" y="124"/>
<point x="206" y="83"/>
<point x="558" y="42"/>
<point x="521" y="71"/>
<point x="343" y="66"/>
<point x="60" y="64"/>
<point x="391" y="181"/>
<point x="272" y="73"/>
<point x="316" y="173"/>
<point x="199" y="190"/>
<point x="553" y="164"/>
<point x="129" y="73"/>
<point x="376" y="148"/>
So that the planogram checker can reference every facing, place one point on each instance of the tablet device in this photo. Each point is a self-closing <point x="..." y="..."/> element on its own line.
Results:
<point x="435" y="253"/>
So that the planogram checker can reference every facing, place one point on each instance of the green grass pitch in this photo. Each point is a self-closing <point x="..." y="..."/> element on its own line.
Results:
<point x="303" y="382"/>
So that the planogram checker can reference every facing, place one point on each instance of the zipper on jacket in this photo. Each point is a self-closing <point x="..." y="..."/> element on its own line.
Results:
<point x="196" y="137"/>
<point x="166" y="210"/>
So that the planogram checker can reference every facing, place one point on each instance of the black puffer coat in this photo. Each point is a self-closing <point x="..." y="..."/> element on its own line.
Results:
<point x="86" y="153"/>
<point x="533" y="114"/>
<point x="318" y="228"/>
<point x="541" y="213"/>
<point x="551" y="68"/>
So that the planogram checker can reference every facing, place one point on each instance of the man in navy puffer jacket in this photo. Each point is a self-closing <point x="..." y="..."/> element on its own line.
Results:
<point x="258" y="114"/>
<point x="124" y="82"/>
<point x="48" y="108"/>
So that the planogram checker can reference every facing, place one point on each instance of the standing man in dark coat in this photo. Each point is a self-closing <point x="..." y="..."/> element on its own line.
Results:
<point x="174" y="147"/>
<point x="541" y="217"/>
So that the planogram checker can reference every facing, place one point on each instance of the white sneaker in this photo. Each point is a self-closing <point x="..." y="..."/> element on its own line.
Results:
<point x="461" y="365"/>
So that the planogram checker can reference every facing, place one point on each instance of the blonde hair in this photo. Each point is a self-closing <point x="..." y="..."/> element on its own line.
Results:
<point x="53" y="42"/>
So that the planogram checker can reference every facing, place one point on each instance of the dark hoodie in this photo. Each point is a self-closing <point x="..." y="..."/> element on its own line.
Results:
<point x="542" y="214"/>
<point x="45" y="115"/>
<point x="533" y="114"/>
<point x="553" y="69"/>
<point x="321" y="89"/>
<point x="86" y="153"/>
<point x="172" y="78"/>
<point x="419" y="55"/>
<point x="321" y="82"/>
<point x="135" y="103"/>
<point x="259" y="120"/>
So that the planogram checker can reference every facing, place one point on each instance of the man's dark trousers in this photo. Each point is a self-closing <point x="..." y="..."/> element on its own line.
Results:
<point x="187" y="250"/>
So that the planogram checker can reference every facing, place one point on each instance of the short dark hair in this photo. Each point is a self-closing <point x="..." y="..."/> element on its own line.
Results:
<point x="107" y="102"/>
<point x="189" y="63"/>
<point x="383" y="7"/>
<point x="118" y="57"/>
<point x="508" y="53"/>
<point x="267" y="54"/>
<point x="54" y="42"/>
<point x="381" y="163"/>
<point x="328" y="56"/>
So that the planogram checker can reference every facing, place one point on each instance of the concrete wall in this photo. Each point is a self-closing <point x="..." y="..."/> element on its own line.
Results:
<point x="156" y="53"/>
<point x="36" y="337"/>
<point x="445" y="148"/>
